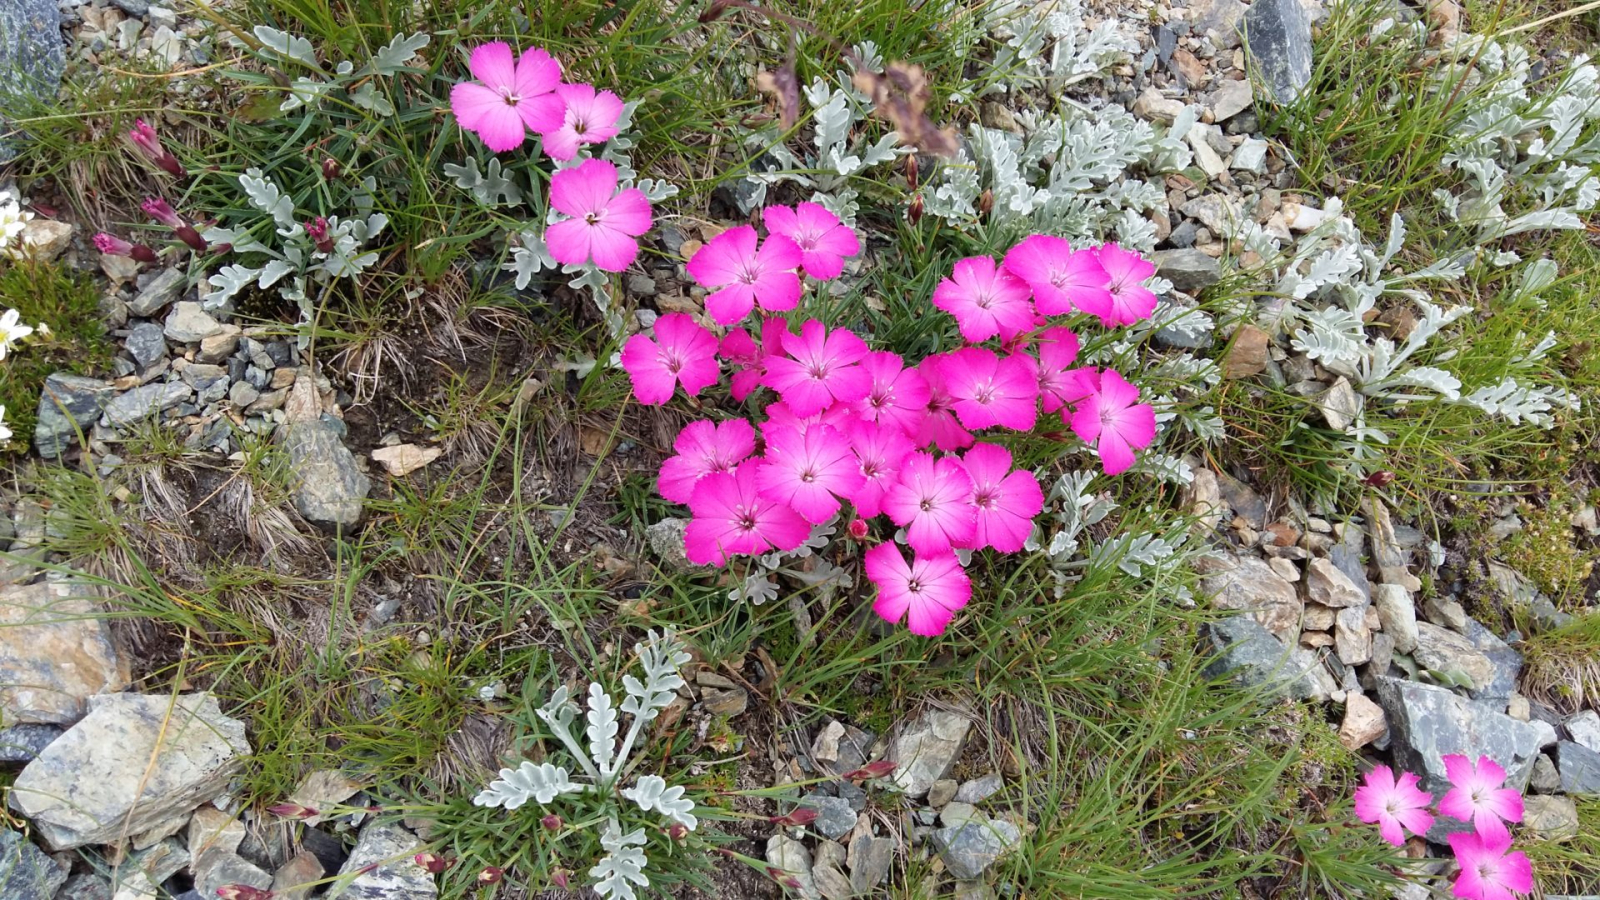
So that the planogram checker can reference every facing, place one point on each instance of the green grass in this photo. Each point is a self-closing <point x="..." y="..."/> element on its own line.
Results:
<point x="68" y="302"/>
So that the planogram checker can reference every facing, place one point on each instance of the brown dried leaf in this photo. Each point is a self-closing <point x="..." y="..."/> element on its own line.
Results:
<point x="784" y="87"/>
<point x="900" y="94"/>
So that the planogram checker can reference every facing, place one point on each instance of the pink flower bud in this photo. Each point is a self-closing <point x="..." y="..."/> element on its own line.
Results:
<point x="292" y="811"/>
<point x="433" y="862"/>
<point x="560" y="878"/>
<point x="317" y="229"/>
<point x="491" y="875"/>
<point x="677" y="831"/>
<point x="243" y="892"/>
<point x="191" y="237"/>
<point x="784" y="878"/>
<point x="148" y="142"/>
<point x="158" y="209"/>
<point x="551" y="822"/>
<point x="330" y="168"/>
<point x="800" y="816"/>
<point x="858" y="528"/>
<point x="871" y="770"/>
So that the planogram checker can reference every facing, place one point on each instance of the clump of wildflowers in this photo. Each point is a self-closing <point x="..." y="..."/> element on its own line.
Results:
<point x="1489" y="870"/>
<point x="866" y="433"/>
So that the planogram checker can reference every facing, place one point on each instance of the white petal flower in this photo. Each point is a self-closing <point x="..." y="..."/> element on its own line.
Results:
<point x="12" y="330"/>
<point x="5" y="433"/>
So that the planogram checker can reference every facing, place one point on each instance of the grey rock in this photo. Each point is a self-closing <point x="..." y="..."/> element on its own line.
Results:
<point x="1214" y="211"/>
<point x="1446" y="613"/>
<point x="1585" y="729"/>
<point x="1328" y="585"/>
<point x="32" y="59"/>
<point x="1255" y="658"/>
<point x="1278" y="36"/>
<point x="21" y="743"/>
<point x="55" y="653"/>
<point x="162" y="290"/>
<point x="328" y="487"/>
<point x="96" y="784"/>
<point x="926" y="749"/>
<point x="329" y="850"/>
<point x="1550" y="818"/>
<point x="143" y="402"/>
<point x="1506" y="664"/>
<point x="146" y="344"/>
<point x="26" y="872"/>
<point x="666" y="542"/>
<point x="136" y="8"/>
<point x="1183" y="237"/>
<point x="1230" y="98"/>
<point x="217" y="867"/>
<point x="242" y="394"/>
<point x="789" y="855"/>
<point x="835" y="818"/>
<point x="27" y="543"/>
<point x="86" y="886"/>
<point x="970" y="848"/>
<point x="1351" y="639"/>
<point x="1443" y="650"/>
<point x="159" y="860"/>
<point x="1545" y="616"/>
<point x="1339" y="404"/>
<point x="1188" y="269"/>
<point x="257" y="377"/>
<point x="1243" y="500"/>
<point x="870" y="860"/>
<point x="1346" y="557"/>
<point x="980" y="789"/>
<point x="1545" y="778"/>
<point x="942" y="792"/>
<point x="1166" y="41"/>
<point x="1219" y="16"/>
<point x="1250" y="156"/>
<point x="396" y="876"/>
<point x="279" y="353"/>
<point x="1248" y="584"/>
<point x="840" y="748"/>
<point x="68" y="405"/>
<point x="297" y="878"/>
<point x="190" y="323"/>
<point x="831" y="882"/>
<point x="1427" y="723"/>
<point x="829" y="853"/>
<point x="1398" y="615"/>
<point x="1580" y="769"/>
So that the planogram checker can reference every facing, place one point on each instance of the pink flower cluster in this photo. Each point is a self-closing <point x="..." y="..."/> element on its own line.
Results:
<point x="857" y="426"/>
<point x="518" y="94"/>
<point x="1489" y="871"/>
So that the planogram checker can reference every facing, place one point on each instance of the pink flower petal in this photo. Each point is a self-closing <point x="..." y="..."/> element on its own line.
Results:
<point x="494" y="65"/>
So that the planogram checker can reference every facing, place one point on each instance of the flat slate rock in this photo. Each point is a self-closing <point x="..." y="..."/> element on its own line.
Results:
<point x="32" y="58"/>
<point x="22" y="743"/>
<point x="26" y="872"/>
<point x="55" y="653"/>
<point x="388" y="849"/>
<point x="1255" y="658"/>
<point x="68" y="406"/>
<point x="1426" y="723"/>
<point x="1278" y="35"/>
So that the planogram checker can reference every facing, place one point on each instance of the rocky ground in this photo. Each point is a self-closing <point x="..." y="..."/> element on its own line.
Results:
<point x="1331" y="601"/>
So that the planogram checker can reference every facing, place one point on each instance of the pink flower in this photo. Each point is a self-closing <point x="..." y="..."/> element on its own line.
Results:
<point x="780" y="415"/>
<point x="925" y="593"/>
<point x="111" y="245"/>
<point x="1487" y="871"/>
<point x="149" y="143"/>
<point x="589" y="118"/>
<point x="160" y="210"/>
<point x="879" y="448"/>
<point x="1111" y="414"/>
<point x="1059" y="382"/>
<point x="682" y="353"/>
<point x="898" y="396"/>
<point x="604" y="220"/>
<point x="939" y="425"/>
<point x="1477" y="796"/>
<point x="514" y="98"/>
<point x="985" y="300"/>
<point x="1061" y="278"/>
<point x="742" y="275"/>
<point x="990" y="390"/>
<point x="933" y="502"/>
<point x="823" y="240"/>
<point x="808" y="471"/>
<point x="821" y="368"/>
<point x="317" y="230"/>
<point x="704" y="448"/>
<point x="1006" y="500"/>
<point x="732" y="518"/>
<point x="1130" y="299"/>
<point x="750" y="360"/>
<point x="1395" y="806"/>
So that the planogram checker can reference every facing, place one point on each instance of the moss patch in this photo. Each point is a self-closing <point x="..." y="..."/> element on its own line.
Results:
<point x="68" y="303"/>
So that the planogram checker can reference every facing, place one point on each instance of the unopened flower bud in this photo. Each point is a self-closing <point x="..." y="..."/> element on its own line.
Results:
<point x="433" y="863"/>
<point x="871" y="770"/>
<point x="800" y="816"/>
<point x="551" y="822"/>
<point x="148" y="142"/>
<point x="491" y="875"/>
<point x="243" y="892"/>
<point x="189" y="236"/>
<point x="985" y="203"/>
<point x="914" y="211"/>
<point x="560" y="878"/>
<point x="317" y="230"/>
<point x="292" y="811"/>
<point x="677" y="831"/>
<point x="111" y="245"/>
<point x="911" y="171"/>
<point x="158" y="209"/>
<point x="857" y="528"/>
<point x="330" y="168"/>
<point x="784" y="878"/>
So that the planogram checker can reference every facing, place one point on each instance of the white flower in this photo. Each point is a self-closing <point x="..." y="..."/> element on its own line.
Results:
<point x="12" y="220"/>
<point x="12" y="330"/>
<point x="5" y="433"/>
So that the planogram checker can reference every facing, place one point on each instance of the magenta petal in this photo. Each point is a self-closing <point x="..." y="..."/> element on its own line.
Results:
<point x="494" y="65"/>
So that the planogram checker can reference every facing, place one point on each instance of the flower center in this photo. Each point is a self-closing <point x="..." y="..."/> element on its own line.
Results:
<point x="749" y="275"/>
<point x="984" y="500"/>
<point x="746" y="519"/>
<point x="1107" y="418"/>
<point x="594" y="218"/>
<point x="817" y="371"/>
<point x="511" y="99"/>
<point x="984" y="394"/>
<point x="926" y="505"/>
<point x="808" y="476"/>
<point x="914" y="586"/>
